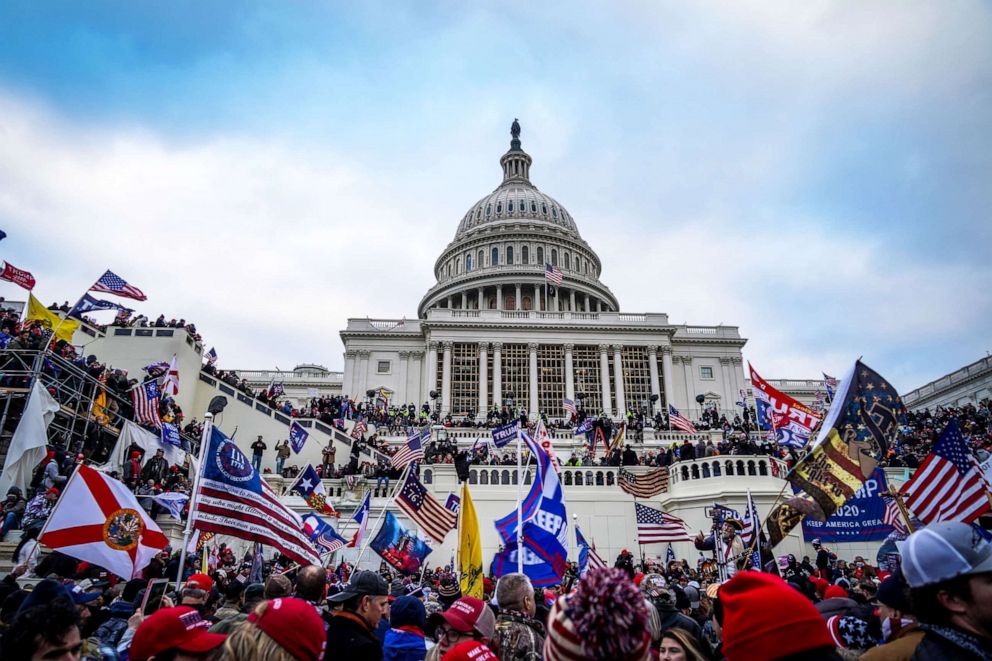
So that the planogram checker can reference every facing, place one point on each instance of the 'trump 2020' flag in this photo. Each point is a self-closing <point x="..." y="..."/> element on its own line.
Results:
<point x="98" y="520"/>
<point x="17" y="276"/>
<point x="235" y="501"/>
<point x="297" y="436"/>
<point x="788" y="421"/>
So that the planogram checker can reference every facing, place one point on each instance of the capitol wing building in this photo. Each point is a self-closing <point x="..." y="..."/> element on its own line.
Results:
<point x="489" y="333"/>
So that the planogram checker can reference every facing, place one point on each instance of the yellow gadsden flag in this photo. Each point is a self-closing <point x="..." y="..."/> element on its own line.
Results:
<point x="469" y="547"/>
<point x="65" y="328"/>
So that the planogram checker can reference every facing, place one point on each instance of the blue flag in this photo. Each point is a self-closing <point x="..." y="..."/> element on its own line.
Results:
<point x="399" y="547"/>
<point x="226" y="463"/>
<point x="297" y="436"/>
<point x="584" y="426"/>
<point x="89" y="304"/>
<point x="170" y="435"/>
<point x="583" y="545"/>
<point x="323" y="534"/>
<point x="670" y="554"/>
<point x="503" y="435"/>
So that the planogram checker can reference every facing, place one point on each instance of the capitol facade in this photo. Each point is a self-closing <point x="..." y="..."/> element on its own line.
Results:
<point x="490" y="331"/>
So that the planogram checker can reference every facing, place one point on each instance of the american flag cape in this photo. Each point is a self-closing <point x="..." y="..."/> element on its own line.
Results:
<point x="111" y="283"/>
<point x="144" y="397"/>
<point x="676" y="419"/>
<point x="948" y="485"/>
<point x="99" y="520"/>
<point x="234" y="500"/>
<point x="655" y="526"/>
<point x="424" y="510"/>
<point x="412" y="450"/>
<point x="644" y="486"/>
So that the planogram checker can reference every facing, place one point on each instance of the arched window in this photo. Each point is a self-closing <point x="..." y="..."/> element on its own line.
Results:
<point x="540" y="255"/>
<point x="554" y="211"/>
<point x="525" y="255"/>
<point x="533" y="206"/>
<point x="544" y="209"/>
<point x="458" y="266"/>
<point x="482" y="260"/>
<point x="554" y="257"/>
<point x="525" y="303"/>
<point x="509" y="254"/>
<point x="449" y="270"/>
<point x="468" y="262"/>
<point x="499" y="207"/>
<point x="489" y="209"/>
<point x="494" y="257"/>
<point x="568" y="262"/>
<point x="509" y="206"/>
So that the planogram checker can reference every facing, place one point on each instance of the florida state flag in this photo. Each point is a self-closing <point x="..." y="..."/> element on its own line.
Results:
<point x="98" y="520"/>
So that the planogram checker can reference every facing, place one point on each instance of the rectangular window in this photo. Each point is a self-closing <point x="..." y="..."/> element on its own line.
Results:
<point x="706" y="372"/>
<point x="636" y="378"/>
<point x="382" y="367"/>
<point x="551" y="379"/>
<point x="585" y="362"/>
<point x="464" y="378"/>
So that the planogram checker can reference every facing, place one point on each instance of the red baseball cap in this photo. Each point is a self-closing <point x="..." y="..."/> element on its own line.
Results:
<point x="201" y="581"/>
<point x="180" y="628"/>
<point x="470" y="650"/>
<point x="295" y="625"/>
<point x="469" y="614"/>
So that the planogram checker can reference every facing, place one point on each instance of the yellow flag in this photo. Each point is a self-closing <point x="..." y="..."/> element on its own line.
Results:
<point x="66" y="327"/>
<point x="100" y="407"/>
<point x="469" y="547"/>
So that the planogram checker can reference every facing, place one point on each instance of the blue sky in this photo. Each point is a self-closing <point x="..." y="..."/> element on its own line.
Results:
<point x="818" y="175"/>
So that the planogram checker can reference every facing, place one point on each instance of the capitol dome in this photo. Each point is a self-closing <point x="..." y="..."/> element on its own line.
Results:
<point x="504" y="244"/>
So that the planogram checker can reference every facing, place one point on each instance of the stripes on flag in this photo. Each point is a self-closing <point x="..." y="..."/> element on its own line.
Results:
<point x="655" y="526"/>
<point x="552" y="274"/>
<point x="893" y="516"/>
<point x="111" y="283"/>
<point x="751" y="521"/>
<point x="948" y="485"/>
<point x="676" y="419"/>
<point x="144" y="397"/>
<point x="644" y="486"/>
<point x="569" y="406"/>
<point x="424" y="510"/>
<point x="360" y="428"/>
<point x="412" y="450"/>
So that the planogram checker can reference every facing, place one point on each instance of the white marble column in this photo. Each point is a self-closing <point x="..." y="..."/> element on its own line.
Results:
<point x="430" y="369"/>
<point x="585" y="308"/>
<point x="571" y="300"/>
<point x="499" y="297"/>
<point x="361" y="385"/>
<point x="727" y="378"/>
<point x="569" y="373"/>
<point x="532" y="348"/>
<point x="446" y="380"/>
<point x="666" y="374"/>
<point x="604" y="378"/>
<point x="349" y="372"/>
<point x="518" y="304"/>
<point x="414" y="378"/>
<point x="482" y="300"/>
<point x="498" y="373"/>
<point x="653" y="371"/>
<point x="618" y="380"/>
<point x="403" y="394"/>
<point x="690" y="384"/>
<point x="483" y="379"/>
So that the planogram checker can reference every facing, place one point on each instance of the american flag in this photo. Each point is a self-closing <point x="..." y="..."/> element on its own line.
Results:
<point x="893" y="516"/>
<point x="211" y="356"/>
<point x="676" y="419"/>
<point x="654" y="526"/>
<point x="360" y="428"/>
<point x="751" y="521"/>
<point x="424" y="509"/>
<point x="595" y="561"/>
<point x="644" y="486"/>
<point x="948" y="485"/>
<point x="323" y="534"/>
<point x="111" y="283"/>
<point x="412" y="450"/>
<point x="569" y="406"/>
<point x="144" y="396"/>
<point x="552" y="274"/>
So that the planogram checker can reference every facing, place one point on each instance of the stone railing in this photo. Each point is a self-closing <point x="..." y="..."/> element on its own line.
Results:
<point x="727" y="466"/>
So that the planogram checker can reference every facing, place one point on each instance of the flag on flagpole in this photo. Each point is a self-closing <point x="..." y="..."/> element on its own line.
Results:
<point x="297" y="436"/>
<point x="948" y="486"/>
<point x="655" y="526"/>
<point x="569" y="406"/>
<point x="751" y="521"/>
<point x="311" y="487"/>
<point x="669" y="554"/>
<point x="676" y="419"/>
<point x="18" y="276"/>
<point x="211" y="356"/>
<point x="234" y="500"/>
<point x="170" y="384"/>
<point x="424" y="510"/>
<point x="588" y="558"/>
<point x="552" y="275"/>
<point x="361" y="516"/>
<point x="648" y="485"/>
<point x="174" y="502"/>
<point x="91" y="304"/>
<point x="144" y="397"/>
<point x="98" y="520"/>
<point x="453" y="503"/>
<point x="788" y="421"/>
<point x="111" y="283"/>
<point x="64" y="328"/>
<point x="469" y="547"/>
<point x="412" y="450"/>
<point x="323" y="534"/>
<point x="28" y="445"/>
<point x="360" y="428"/>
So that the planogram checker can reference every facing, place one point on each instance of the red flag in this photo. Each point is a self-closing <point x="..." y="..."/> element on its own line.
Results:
<point x="17" y="276"/>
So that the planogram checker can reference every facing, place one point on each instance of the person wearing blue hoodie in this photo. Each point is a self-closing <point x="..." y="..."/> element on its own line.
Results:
<point x="405" y="640"/>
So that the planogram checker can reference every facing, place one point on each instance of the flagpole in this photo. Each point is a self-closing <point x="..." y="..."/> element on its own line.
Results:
<point x="208" y="425"/>
<point x="902" y="507"/>
<point x="520" y="496"/>
<point x="382" y="513"/>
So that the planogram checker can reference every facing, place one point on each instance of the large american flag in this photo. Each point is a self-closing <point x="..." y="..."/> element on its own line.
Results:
<point x="893" y="516"/>
<point x="654" y="526"/>
<point x="676" y="419"/>
<point x="569" y="406"/>
<point x="751" y="521"/>
<point x="360" y="428"/>
<point x="111" y="283"/>
<point x="144" y="397"/>
<point x="552" y="274"/>
<point x="644" y="486"/>
<point x="424" y="510"/>
<point x="948" y="485"/>
<point x="412" y="450"/>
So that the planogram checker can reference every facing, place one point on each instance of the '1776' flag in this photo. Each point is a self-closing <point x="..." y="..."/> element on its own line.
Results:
<point x="98" y="520"/>
<point x="144" y="396"/>
<point x="423" y="508"/>
<point x="235" y="501"/>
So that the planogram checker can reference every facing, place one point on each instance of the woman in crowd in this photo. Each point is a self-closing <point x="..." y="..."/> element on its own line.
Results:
<point x="678" y="645"/>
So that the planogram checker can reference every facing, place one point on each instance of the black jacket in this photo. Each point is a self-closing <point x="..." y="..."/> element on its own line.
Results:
<point x="349" y="638"/>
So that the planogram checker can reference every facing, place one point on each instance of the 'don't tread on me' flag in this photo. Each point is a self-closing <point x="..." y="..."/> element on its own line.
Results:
<point x="98" y="520"/>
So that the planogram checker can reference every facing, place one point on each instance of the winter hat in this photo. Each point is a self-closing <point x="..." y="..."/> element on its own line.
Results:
<point x="766" y="619"/>
<point x="295" y="625"/>
<point x="408" y="611"/>
<point x="470" y="650"/>
<point x="835" y="591"/>
<point x="44" y="592"/>
<point x="397" y="588"/>
<point x="892" y="593"/>
<point x="849" y="632"/>
<point x="201" y="581"/>
<point x="604" y="618"/>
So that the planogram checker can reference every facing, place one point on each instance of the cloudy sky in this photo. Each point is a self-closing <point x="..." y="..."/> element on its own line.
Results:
<point x="820" y="176"/>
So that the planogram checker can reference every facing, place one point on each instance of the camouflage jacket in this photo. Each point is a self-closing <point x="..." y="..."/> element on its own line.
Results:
<point x="518" y="637"/>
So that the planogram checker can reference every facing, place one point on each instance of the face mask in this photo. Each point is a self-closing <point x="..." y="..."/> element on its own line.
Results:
<point x="891" y="626"/>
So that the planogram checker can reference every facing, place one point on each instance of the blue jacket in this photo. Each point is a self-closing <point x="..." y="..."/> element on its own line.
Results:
<point x="403" y="646"/>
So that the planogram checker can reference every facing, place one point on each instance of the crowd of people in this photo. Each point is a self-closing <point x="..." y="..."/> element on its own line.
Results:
<point x="935" y="606"/>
